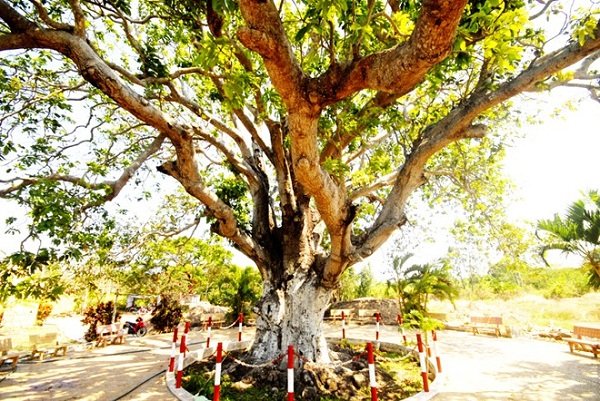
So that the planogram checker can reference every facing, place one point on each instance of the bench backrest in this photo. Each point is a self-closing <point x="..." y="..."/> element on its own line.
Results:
<point x="43" y="339"/>
<point x="5" y="345"/>
<point x="216" y="317"/>
<point x="585" y="331"/>
<point x="486" y="319"/>
<point x="107" y="329"/>
<point x="338" y="312"/>
<point x="367" y="312"/>
<point x="438" y="316"/>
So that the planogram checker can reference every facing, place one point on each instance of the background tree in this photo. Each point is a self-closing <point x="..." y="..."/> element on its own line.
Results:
<point x="577" y="232"/>
<point x="301" y="129"/>
<point x="239" y="289"/>
<point x="366" y="280"/>
<point x="183" y="266"/>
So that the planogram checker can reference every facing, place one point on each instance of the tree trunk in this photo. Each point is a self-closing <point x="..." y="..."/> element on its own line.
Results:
<point x="292" y="314"/>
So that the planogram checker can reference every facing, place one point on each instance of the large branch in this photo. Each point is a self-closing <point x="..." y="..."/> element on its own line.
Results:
<point x="457" y="125"/>
<point x="27" y="35"/>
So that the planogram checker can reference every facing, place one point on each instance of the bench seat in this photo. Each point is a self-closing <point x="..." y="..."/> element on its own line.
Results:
<point x="488" y="324"/>
<point x="591" y="342"/>
<point x="216" y="320"/>
<point x="6" y="352"/>
<point x="41" y="344"/>
<point x="109" y="332"/>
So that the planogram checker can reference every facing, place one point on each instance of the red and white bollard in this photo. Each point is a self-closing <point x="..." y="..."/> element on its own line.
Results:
<point x="343" y="325"/>
<point x="184" y="337"/>
<point x="217" y="392"/>
<point x="402" y="329"/>
<point x="180" y="362"/>
<point x="427" y="345"/>
<point x="377" y="320"/>
<point x="423" y="364"/>
<point x="438" y="361"/>
<point x="290" y="373"/>
<point x="173" y="351"/>
<point x="208" y="329"/>
<point x="372" y="377"/>
<point x="241" y="321"/>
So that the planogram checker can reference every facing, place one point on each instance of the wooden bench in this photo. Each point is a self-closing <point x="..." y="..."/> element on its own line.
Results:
<point x="110" y="332"/>
<point x="46" y="343"/>
<point x="336" y="314"/>
<point x="6" y="352"/>
<point x="588" y="343"/>
<point x="367" y="316"/>
<point x="217" y="320"/>
<point x="486" y="323"/>
<point x="443" y="317"/>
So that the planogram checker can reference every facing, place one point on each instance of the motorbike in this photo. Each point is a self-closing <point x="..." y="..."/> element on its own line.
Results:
<point x="138" y="328"/>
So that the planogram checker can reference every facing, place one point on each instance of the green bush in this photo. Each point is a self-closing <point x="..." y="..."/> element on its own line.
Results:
<point x="167" y="315"/>
<point x="43" y="312"/>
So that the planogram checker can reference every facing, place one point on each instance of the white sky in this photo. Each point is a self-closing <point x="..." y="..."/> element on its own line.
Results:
<point x="555" y="161"/>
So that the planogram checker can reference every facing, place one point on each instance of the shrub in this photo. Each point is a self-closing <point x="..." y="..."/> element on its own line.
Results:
<point x="98" y="315"/>
<point x="43" y="312"/>
<point x="167" y="315"/>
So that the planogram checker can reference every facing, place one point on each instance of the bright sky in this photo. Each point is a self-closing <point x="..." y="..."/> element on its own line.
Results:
<point x="556" y="161"/>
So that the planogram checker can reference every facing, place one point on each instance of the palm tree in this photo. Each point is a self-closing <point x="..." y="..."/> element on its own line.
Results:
<point x="239" y="290"/>
<point x="417" y="283"/>
<point x="425" y="281"/>
<point x="578" y="232"/>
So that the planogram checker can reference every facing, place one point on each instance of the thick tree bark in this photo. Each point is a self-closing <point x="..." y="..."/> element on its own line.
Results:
<point x="291" y="313"/>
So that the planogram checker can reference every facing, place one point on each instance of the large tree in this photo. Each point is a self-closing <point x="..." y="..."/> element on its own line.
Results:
<point x="301" y="127"/>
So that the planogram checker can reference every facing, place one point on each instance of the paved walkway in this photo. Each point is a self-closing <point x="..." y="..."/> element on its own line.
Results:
<point x="475" y="368"/>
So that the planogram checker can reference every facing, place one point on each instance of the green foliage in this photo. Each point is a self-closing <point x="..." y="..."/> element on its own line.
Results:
<point x="239" y="289"/>
<point x="177" y="266"/>
<point x="349" y="286"/>
<point x="25" y="275"/>
<point x="366" y="281"/>
<point x="418" y="319"/>
<point x="415" y="285"/>
<point x="100" y="314"/>
<point x="505" y="284"/>
<point x="167" y="314"/>
<point x="234" y="192"/>
<point x="577" y="232"/>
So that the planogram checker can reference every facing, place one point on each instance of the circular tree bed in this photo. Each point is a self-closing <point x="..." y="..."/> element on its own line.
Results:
<point x="346" y="378"/>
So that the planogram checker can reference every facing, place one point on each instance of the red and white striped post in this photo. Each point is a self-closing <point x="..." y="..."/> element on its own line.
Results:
<point x="402" y="329"/>
<point x="208" y="329"/>
<point x="180" y="362"/>
<point x="184" y="337"/>
<point x="217" y="392"/>
<point x="427" y="344"/>
<point x="377" y="320"/>
<point x="343" y="325"/>
<point x="173" y="351"/>
<point x="423" y="364"/>
<point x="241" y="321"/>
<point x="438" y="361"/>
<point x="372" y="377"/>
<point x="290" y="373"/>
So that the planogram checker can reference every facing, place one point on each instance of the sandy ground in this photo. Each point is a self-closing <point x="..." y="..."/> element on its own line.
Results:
<point x="475" y="368"/>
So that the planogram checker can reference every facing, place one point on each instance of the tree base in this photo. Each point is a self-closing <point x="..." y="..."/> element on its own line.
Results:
<point x="339" y="381"/>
